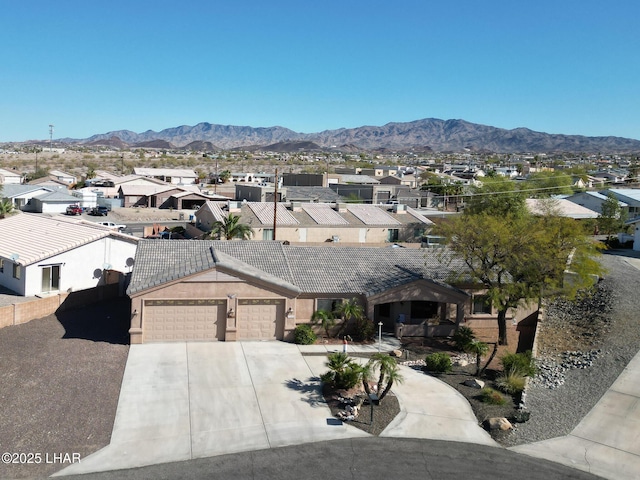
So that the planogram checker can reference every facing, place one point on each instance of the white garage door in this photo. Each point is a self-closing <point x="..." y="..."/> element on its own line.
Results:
<point x="183" y="320"/>
<point x="260" y="319"/>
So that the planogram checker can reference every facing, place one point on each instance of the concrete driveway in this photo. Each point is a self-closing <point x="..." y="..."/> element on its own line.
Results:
<point x="182" y="401"/>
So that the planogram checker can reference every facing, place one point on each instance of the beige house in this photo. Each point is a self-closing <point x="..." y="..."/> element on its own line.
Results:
<point x="243" y="290"/>
<point x="306" y="223"/>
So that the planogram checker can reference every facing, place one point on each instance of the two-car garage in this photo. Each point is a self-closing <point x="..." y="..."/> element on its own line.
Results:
<point x="179" y="320"/>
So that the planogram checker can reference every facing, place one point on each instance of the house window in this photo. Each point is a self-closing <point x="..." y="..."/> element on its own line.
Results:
<point x="328" y="304"/>
<point x="16" y="271"/>
<point x="392" y="235"/>
<point x="267" y="234"/>
<point x="50" y="278"/>
<point x="481" y="304"/>
<point x="1" y="265"/>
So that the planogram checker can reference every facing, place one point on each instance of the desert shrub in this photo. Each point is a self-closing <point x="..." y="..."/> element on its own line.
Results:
<point x="343" y="372"/>
<point x="304" y="335"/>
<point x="492" y="397"/>
<point x="364" y="329"/>
<point x="521" y="363"/>
<point x="438" y="362"/>
<point x="463" y="337"/>
<point x="511" y="382"/>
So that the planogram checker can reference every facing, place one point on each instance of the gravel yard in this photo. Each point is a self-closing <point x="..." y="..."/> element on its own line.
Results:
<point x="59" y="385"/>
<point x="583" y="347"/>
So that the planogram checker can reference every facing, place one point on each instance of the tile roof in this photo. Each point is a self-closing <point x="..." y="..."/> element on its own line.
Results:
<point x="36" y="237"/>
<point x="323" y="214"/>
<point x="167" y="172"/>
<point x="340" y="270"/>
<point x="566" y="208"/>
<point x="264" y="212"/>
<point x="13" y="190"/>
<point x="372" y="215"/>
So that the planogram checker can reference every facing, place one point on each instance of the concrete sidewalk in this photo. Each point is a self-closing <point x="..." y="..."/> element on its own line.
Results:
<point x="181" y="401"/>
<point x="607" y="441"/>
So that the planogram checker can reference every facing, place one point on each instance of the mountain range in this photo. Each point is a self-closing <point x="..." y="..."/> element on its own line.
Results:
<point x="428" y="134"/>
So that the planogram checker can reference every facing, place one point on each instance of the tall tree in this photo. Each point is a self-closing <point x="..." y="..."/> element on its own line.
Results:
<point x="497" y="196"/>
<point x="612" y="218"/>
<point x="546" y="183"/>
<point x="516" y="257"/>
<point x="229" y="228"/>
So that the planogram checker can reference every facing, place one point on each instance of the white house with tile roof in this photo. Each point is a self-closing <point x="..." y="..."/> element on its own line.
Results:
<point x="40" y="255"/>
<point x="174" y="176"/>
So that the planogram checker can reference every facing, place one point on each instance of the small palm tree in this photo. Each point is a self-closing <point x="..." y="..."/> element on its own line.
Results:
<point x="344" y="372"/>
<point x="229" y="228"/>
<point x="479" y="349"/>
<point x="387" y="366"/>
<point x="6" y="207"/>
<point x="324" y="318"/>
<point x="348" y="310"/>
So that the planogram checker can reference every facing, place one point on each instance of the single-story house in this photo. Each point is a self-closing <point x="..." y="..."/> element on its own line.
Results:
<point x="630" y="196"/>
<point x="174" y="176"/>
<point x="10" y="177"/>
<point x="241" y="290"/>
<point x="21" y="195"/>
<point x="64" y="177"/>
<point x="562" y="206"/>
<point x="592" y="200"/>
<point x="40" y="255"/>
<point x="635" y="223"/>
<point x="53" y="202"/>
<point x="321" y="222"/>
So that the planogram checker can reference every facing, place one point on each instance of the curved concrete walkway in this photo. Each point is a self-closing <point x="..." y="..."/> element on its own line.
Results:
<point x="182" y="401"/>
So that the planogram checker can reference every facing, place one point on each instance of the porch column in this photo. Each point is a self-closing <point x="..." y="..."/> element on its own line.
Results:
<point x="459" y="313"/>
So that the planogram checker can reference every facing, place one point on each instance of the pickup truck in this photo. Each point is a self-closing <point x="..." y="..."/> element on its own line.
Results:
<point x="74" y="210"/>
<point x="112" y="225"/>
<point x="99" y="211"/>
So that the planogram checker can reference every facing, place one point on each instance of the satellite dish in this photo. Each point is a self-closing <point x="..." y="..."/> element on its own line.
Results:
<point x="129" y="262"/>
<point x="14" y="257"/>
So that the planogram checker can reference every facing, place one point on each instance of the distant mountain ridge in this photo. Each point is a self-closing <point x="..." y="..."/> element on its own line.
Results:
<point x="428" y="134"/>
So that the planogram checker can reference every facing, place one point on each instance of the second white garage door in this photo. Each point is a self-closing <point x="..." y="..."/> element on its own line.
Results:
<point x="260" y="319"/>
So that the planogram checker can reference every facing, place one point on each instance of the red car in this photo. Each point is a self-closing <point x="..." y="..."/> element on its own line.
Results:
<point x="74" y="210"/>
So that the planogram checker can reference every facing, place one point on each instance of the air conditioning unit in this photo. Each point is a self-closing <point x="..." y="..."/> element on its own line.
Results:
<point x="335" y="238"/>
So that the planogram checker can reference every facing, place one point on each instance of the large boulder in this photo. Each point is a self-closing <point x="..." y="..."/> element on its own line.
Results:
<point x="498" y="423"/>
<point x="474" y="383"/>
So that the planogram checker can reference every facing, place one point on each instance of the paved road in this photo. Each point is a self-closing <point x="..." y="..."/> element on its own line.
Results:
<point x="358" y="459"/>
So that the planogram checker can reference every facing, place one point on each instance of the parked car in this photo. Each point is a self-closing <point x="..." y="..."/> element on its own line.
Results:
<point x="74" y="210"/>
<point x="112" y="225"/>
<point x="99" y="211"/>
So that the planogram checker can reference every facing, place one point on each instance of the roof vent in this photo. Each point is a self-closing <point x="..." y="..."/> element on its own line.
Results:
<point x="399" y="208"/>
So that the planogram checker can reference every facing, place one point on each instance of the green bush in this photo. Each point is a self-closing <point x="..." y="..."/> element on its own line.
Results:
<point x="492" y="397"/>
<point x="438" y="362"/>
<point x="521" y="363"/>
<point x="343" y="372"/>
<point x="511" y="382"/>
<point x="364" y="329"/>
<point x="304" y="335"/>
<point x="463" y="337"/>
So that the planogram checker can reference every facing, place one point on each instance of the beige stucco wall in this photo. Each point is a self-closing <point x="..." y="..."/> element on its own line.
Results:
<point x="346" y="234"/>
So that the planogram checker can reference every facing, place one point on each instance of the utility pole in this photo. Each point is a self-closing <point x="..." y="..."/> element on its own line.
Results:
<point x="50" y="138"/>
<point x="275" y="204"/>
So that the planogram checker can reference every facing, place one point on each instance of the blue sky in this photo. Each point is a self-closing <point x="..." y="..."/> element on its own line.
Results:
<point x="570" y="66"/>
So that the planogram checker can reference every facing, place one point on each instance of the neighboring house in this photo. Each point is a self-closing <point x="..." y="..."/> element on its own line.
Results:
<point x="241" y="290"/>
<point x="53" y="202"/>
<point x="630" y="196"/>
<point x="63" y="177"/>
<point x="9" y="177"/>
<point x="161" y="196"/>
<point x="592" y="200"/>
<point x="635" y="224"/>
<point x="612" y="176"/>
<point x="322" y="222"/>
<point x="40" y="255"/>
<point x="563" y="207"/>
<point x="380" y="171"/>
<point x="21" y="195"/>
<point x="173" y="176"/>
<point x="50" y="182"/>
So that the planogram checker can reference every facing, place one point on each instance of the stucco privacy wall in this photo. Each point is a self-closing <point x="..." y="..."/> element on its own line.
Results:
<point x="26" y="311"/>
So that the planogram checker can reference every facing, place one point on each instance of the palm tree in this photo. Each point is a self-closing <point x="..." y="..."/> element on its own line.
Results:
<point x="344" y="372"/>
<point x="387" y="366"/>
<point x="478" y="348"/>
<point x="347" y="310"/>
<point x="229" y="228"/>
<point x="324" y="318"/>
<point x="6" y="207"/>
